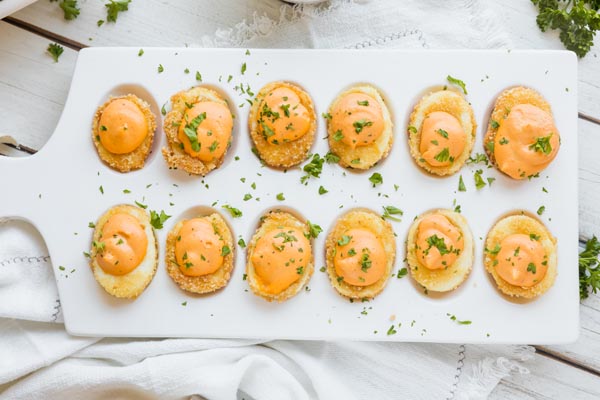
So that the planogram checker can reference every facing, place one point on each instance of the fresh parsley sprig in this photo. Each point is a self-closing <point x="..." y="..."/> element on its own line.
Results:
<point x="589" y="268"/>
<point x="577" y="21"/>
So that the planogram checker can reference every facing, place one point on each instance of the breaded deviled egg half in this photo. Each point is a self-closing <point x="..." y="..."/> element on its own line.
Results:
<point x="441" y="132"/>
<point x="200" y="253"/>
<point x="520" y="254"/>
<point x="122" y="131"/>
<point x="282" y="124"/>
<point x="280" y="256"/>
<point x="522" y="139"/>
<point x="359" y="253"/>
<point x="124" y="252"/>
<point x="199" y="130"/>
<point x="359" y="127"/>
<point x="439" y="250"/>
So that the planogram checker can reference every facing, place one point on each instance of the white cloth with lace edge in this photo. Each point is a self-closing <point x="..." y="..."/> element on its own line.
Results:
<point x="32" y="340"/>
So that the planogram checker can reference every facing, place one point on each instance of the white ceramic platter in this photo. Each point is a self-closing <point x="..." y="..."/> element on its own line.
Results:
<point x="58" y="191"/>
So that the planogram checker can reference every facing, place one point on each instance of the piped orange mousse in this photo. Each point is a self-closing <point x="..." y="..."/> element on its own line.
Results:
<point x="360" y="252"/>
<point x="359" y="127"/>
<point x="123" y="131"/>
<point x="280" y="257"/>
<point x="282" y="124"/>
<point x="522" y="138"/>
<point x="124" y="253"/>
<point x="439" y="250"/>
<point x="199" y="130"/>
<point x="199" y="253"/>
<point x="521" y="256"/>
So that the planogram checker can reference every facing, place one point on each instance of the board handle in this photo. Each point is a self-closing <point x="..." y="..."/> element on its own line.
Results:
<point x="18" y="187"/>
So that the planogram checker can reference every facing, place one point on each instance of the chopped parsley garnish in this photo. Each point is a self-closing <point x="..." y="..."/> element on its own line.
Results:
<point x="495" y="250"/>
<point x="589" y="268"/>
<point x="344" y="240"/>
<point x="91" y="225"/>
<point x="531" y="268"/>
<point x="141" y="52"/>
<point x="376" y="179"/>
<point x="313" y="230"/>
<point x="458" y="321"/>
<point x="213" y="146"/>
<point x="542" y="145"/>
<point x="461" y="185"/>
<point x="198" y="76"/>
<point x="243" y="68"/>
<point x="541" y="210"/>
<point x="242" y="243"/>
<point x="186" y="71"/>
<point x="361" y="124"/>
<point x="438" y="243"/>
<point x="457" y="82"/>
<point x="225" y="250"/>
<point x="300" y="270"/>
<point x="443" y="155"/>
<point x="280" y="197"/>
<point x="494" y="124"/>
<point x="479" y="182"/>
<point x="391" y="331"/>
<point x="247" y="196"/>
<point x="390" y="211"/>
<point x="401" y="273"/>
<point x="412" y="129"/>
<point x="286" y="109"/>
<point x="479" y="158"/>
<point x="191" y="132"/>
<point x="322" y="190"/>
<point x="503" y="141"/>
<point x="69" y="8"/>
<point x="365" y="261"/>
<point x="157" y="220"/>
<point x="313" y="168"/>
<point x="101" y="189"/>
<point x="443" y="133"/>
<point x="234" y="212"/>
<point x="490" y="180"/>
<point x="326" y="115"/>
<point x="140" y="205"/>
<point x="160" y="68"/>
<point x="338" y="135"/>
<point x="114" y="7"/>
<point x="533" y="236"/>
<point x="363" y="103"/>
<point x="55" y="50"/>
<point x="126" y="191"/>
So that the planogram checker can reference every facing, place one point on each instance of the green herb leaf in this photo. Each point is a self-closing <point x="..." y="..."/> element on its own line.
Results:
<point x="541" y="210"/>
<point x="322" y="190"/>
<point x="157" y="220"/>
<point x="461" y="185"/>
<point x="443" y="155"/>
<point x="331" y="158"/>
<point x="479" y="182"/>
<point x="191" y="132"/>
<point x="313" y="168"/>
<point x="55" y="50"/>
<point x="344" y="240"/>
<point x="589" y="268"/>
<point x="313" y="230"/>
<point x="70" y="9"/>
<point x="457" y="82"/>
<point x="542" y="145"/>
<point x="390" y="211"/>
<point x="401" y="273"/>
<point x="234" y="212"/>
<point x="280" y="197"/>
<point x="376" y="179"/>
<point x="225" y="250"/>
<point x="114" y="7"/>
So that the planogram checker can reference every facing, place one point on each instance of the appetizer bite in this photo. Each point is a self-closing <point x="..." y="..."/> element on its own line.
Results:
<point x="359" y="127"/>
<point x="124" y="252"/>
<point x="439" y="250"/>
<point x="199" y="254"/>
<point x="122" y="131"/>
<point x="282" y="124"/>
<point x="359" y="253"/>
<point x="280" y="257"/>
<point x="199" y="130"/>
<point x="521" y="139"/>
<point x="441" y="132"/>
<point x="520" y="253"/>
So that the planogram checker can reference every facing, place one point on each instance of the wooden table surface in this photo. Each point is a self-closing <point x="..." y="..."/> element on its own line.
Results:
<point x="33" y="90"/>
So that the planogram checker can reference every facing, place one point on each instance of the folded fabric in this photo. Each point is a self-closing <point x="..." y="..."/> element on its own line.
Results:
<point x="39" y="359"/>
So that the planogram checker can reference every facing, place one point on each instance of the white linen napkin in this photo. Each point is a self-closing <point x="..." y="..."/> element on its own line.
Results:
<point x="37" y="357"/>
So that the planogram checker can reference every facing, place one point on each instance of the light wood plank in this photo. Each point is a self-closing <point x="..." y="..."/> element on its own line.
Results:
<point x="519" y="17"/>
<point x="589" y="178"/>
<point x="548" y="379"/>
<point x="148" y="22"/>
<point x="33" y="88"/>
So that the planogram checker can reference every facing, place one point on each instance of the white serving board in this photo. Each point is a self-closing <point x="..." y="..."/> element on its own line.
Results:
<point x="58" y="191"/>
